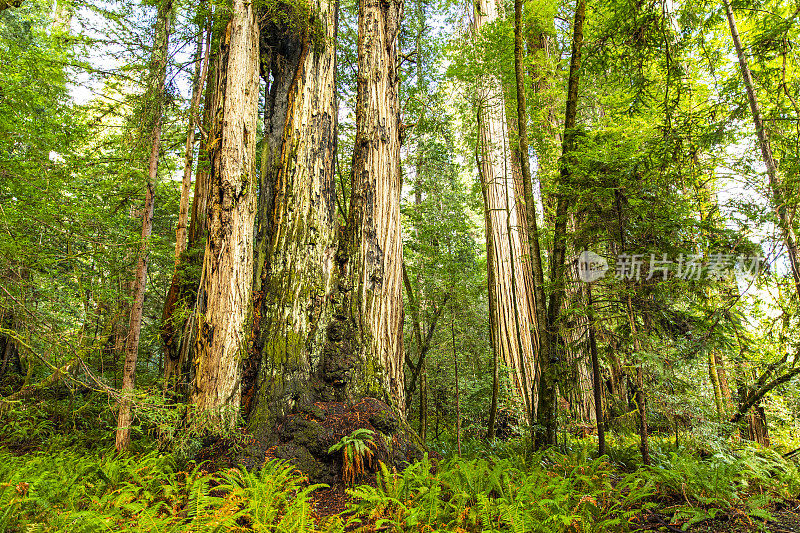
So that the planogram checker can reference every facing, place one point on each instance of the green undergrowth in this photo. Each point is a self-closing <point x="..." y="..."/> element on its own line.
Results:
<point x="495" y="487"/>
<point x="502" y="495"/>
<point x="86" y="493"/>
<point x="500" y="487"/>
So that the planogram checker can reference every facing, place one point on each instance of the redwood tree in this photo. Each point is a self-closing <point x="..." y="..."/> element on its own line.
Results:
<point x="512" y="313"/>
<point x="296" y="213"/>
<point x="153" y="118"/>
<point x="225" y="288"/>
<point x="363" y="354"/>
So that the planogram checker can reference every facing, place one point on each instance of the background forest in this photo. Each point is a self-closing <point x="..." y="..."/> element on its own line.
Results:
<point x="320" y="265"/>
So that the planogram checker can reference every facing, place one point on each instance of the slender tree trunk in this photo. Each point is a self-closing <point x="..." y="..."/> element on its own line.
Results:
<point x="547" y="417"/>
<point x="778" y="200"/>
<point x="715" y="383"/>
<point x="212" y="107"/>
<point x="125" y="416"/>
<point x="183" y="287"/>
<point x="511" y="317"/>
<point x="225" y="289"/>
<point x="364" y="351"/>
<point x="723" y="380"/>
<point x="597" y="383"/>
<point x="158" y="72"/>
<point x="641" y="398"/>
<point x="201" y="67"/>
<point x="458" y="392"/>
<point x="751" y="417"/>
<point x="423" y="343"/>
<point x="296" y="219"/>
<point x="423" y="403"/>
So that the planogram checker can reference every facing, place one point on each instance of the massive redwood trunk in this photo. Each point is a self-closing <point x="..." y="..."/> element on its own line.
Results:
<point x="225" y="290"/>
<point x="512" y="316"/>
<point x="363" y="355"/>
<point x="296" y="217"/>
<point x="154" y="97"/>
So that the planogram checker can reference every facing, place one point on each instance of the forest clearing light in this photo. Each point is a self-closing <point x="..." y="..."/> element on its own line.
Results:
<point x="592" y="267"/>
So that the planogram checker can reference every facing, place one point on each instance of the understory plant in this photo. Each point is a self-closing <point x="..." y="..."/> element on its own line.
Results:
<point x="499" y="496"/>
<point x="357" y="451"/>
<point x="150" y="493"/>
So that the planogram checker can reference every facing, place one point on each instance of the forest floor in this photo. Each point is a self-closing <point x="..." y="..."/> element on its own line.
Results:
<point x="334" y="501"/>
<point x="57" y="469"/>
<point x="786" y="517"/>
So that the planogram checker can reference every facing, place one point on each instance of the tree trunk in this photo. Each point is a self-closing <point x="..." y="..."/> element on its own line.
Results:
<point x="225" y="290"/>
<point x="715" y="383"/>
<point x="423" y="404"/>
<point x="723" y="380"/>
<point x="784" y="220"/>
<point x="296" y="218"/>
<point x="493" y="324"/>
<point x="458" y="391"/>
<point x="201" y="67"/>
<point x="423" y="343"/>
<point x="641" y="398"/>
<point x="511" y="317"/>
<point x="364" y="343"/>
<point x="547" y="417"/>
<point x="158" y="72"/>
<point x="751" y="418"/>
<point x="597" y="383"/>
<point x="183" y="287"/>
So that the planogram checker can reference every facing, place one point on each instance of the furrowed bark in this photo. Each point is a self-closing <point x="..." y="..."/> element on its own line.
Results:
<point x="158" y="71"/>
<point x="511" y="319"/>
<point x="364" y="344"/>
<point x="225" y="289"/>
<point x="296" y="218"/>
